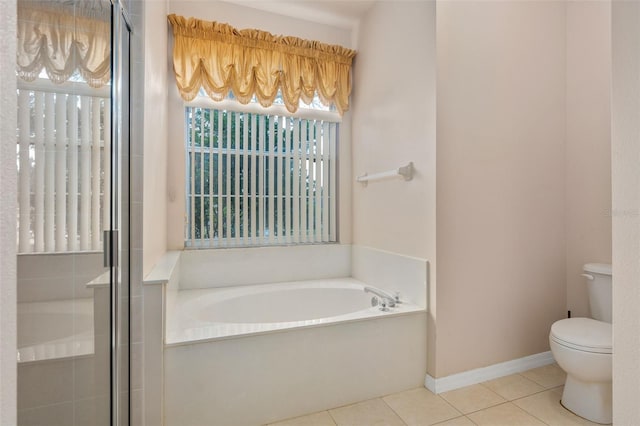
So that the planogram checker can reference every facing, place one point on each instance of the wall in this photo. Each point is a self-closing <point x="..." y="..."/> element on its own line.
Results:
<point x="588" y="144"/>
<point x="57" y="276"/>
<point x="395" y="215"/>
<point x="153" y="78"/>
<point x="395" y="68"/>
<point x="500" y="181"/>
<point x="626" y="210"/>
<point x="155" y="134"/>
<point x="8" y="185"/>
<point x="228" y="267"/>
<point x="244" y="17"/>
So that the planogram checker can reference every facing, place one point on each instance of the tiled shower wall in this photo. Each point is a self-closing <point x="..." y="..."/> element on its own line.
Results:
<point x="136" y="8"/>
<point x="57" y="276"/>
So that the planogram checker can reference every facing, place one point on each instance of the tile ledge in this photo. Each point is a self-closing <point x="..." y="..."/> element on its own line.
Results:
<point x="163" y="269"/>
<point x="102" y="280"/>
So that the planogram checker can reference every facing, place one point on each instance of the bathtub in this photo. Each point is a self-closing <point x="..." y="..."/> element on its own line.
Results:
<point x="254" y="354"/>
<point x="55" y="329"/>
<point x="209" y="314"/>
<point x="59" y="372"/>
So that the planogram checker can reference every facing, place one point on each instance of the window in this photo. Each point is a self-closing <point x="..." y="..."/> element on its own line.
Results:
<point x="259" y="176"/>
<point x="255" y="178"/>
<point x="62" y="150"/>
<point x="63" y="65"/>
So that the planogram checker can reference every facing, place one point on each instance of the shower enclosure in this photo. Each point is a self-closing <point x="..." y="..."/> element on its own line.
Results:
<point x="73" y="212"/>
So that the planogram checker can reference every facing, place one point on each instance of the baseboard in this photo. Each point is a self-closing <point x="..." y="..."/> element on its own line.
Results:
<point x="479" y="375"/>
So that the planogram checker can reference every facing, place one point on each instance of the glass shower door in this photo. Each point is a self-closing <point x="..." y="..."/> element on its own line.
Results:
<point x="72" y="164"/>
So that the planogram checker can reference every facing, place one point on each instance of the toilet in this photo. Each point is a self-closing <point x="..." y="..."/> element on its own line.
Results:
<point x="582" y="347"/>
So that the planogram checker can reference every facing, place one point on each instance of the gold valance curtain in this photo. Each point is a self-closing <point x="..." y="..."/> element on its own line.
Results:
<point x="220" y="58"/>
<point x="62" y="41"/>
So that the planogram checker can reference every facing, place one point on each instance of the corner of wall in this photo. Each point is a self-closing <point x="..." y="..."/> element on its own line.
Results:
<point x="626" y="210"/>
<point x="588" y="144"/>
<point x="156" y="117"/>
<point x="393" y="215"/>
<point x="8" y="185"/>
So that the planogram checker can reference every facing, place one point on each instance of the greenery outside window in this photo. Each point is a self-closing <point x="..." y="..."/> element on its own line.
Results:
<point x="259" y="178"/>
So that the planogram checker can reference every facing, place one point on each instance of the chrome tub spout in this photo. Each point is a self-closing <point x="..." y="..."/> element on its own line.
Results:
<point x="390" y="300"/>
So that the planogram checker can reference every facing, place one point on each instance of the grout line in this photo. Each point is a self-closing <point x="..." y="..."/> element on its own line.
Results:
<point x="538" y="383"/>
<point x="335" y="423"/>
<point x="486" y="408"/>
<point x="492" y="391"/>
<point x="457" y="417"/>
<point x="353" y="403"/>
<point x="528" y="412"/>
<point x="450" y="404"/>
<point x="544" y="388"/>
<point x="509" y="402"/>
<point x="504" y="400"/>
<point x="467" y="417"/>
<point x="304" y="415"/>
<point x="333" y="419"/>
<point x="394" y="411"/>
<point x="39" y="407"/>
<point x="531" y="414"/>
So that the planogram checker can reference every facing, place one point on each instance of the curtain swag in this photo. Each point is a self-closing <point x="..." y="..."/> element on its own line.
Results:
<point x="62" y="42"/>
<point x="220" y="58"/>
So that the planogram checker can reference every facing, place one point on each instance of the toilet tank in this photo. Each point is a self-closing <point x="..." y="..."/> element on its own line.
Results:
<point x="598" y="276"/>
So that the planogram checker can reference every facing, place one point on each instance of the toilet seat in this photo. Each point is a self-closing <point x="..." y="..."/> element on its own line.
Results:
<point x="583" y="334"/>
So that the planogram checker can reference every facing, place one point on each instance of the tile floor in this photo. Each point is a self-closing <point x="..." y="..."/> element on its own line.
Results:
<point x="529" y="398"/>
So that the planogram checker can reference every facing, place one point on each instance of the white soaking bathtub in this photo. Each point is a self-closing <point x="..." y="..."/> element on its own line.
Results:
<point x="225" y="312"/>
<point x="254" y="354"/>
<point x="55" y="329"/>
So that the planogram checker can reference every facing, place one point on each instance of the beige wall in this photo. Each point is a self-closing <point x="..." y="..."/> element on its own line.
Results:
<point x="244" y="17"/>
<point x="500" y="180"/>
<point x="393" y="124"/>
<point x="155" y="134"/>
<point x="588" y="144"/>
<point x="626" y="211"/>
<point x="395" y="68"/>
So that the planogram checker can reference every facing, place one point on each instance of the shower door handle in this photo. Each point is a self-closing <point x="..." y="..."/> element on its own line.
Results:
<point x="110" y="247"/>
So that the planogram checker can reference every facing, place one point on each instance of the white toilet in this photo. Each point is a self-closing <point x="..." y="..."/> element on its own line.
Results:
<point x="582" y="347"/>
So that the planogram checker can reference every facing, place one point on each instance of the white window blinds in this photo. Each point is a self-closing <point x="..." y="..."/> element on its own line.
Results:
<point x="259" y="179"/>
<point x="63" y="164"/>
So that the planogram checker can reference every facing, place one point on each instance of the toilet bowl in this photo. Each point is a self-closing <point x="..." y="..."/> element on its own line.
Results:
<point x="582" y="347"/>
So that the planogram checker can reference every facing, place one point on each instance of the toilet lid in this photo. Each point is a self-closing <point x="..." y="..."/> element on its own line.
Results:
<point x="598" y="268"/>
<point x="583" y="334"/>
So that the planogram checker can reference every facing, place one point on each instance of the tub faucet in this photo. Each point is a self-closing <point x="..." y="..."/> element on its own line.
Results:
<point x="391" y="300"/>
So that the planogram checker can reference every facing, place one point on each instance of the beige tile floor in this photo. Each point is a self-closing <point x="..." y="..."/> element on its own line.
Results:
<point x="529" y="398"/>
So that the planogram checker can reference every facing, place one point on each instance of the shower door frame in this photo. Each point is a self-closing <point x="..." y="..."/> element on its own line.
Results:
<point x="117" y="240"/>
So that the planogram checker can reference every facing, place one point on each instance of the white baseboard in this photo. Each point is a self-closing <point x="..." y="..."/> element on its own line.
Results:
<point x="479" y="375"/>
